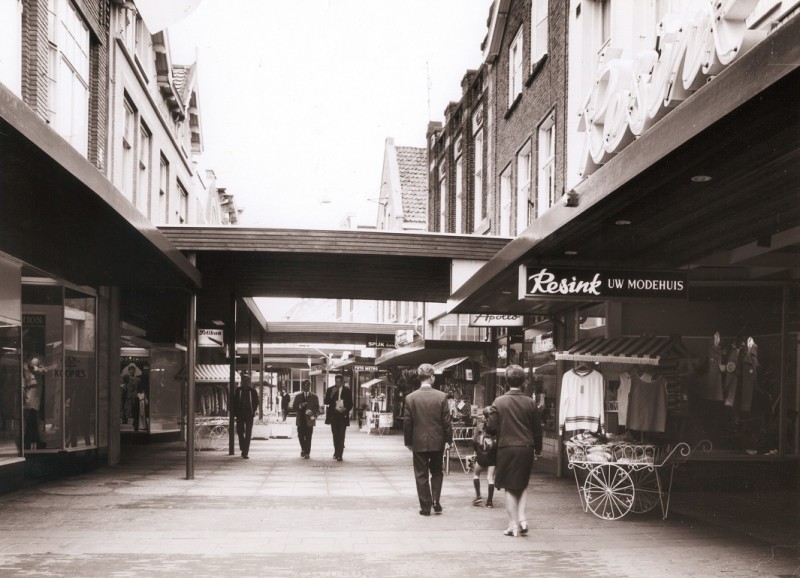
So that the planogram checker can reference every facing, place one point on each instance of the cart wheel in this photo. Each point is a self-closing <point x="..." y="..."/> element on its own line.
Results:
<point x="647" y="494"/>
<point x="608" y="491"/>
<point x="218" y="437"/>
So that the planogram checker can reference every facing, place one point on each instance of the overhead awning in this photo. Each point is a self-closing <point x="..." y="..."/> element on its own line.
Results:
<point x="440" y="366"/>
<point x="213" y="373"/>
<point x="631" y="350"/>
<point x="432" y="351"/>
<point x="372" y="382"/>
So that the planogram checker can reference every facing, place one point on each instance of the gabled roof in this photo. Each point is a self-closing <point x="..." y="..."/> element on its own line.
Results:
<point x="412" y="164"/>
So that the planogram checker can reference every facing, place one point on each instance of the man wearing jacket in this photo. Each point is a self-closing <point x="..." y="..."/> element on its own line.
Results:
<point x="339" y="400"/>
<point x="245" y="405"/>
<point x="427" y="428"/>
<point x="306" y="405"/>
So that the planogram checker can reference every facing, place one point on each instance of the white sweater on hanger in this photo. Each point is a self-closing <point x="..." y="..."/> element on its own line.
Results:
<point x="581" y="405"/>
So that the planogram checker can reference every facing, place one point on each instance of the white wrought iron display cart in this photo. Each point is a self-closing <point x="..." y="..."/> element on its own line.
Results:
<point x="210" y="433"/>
<point x="626" y="477"/>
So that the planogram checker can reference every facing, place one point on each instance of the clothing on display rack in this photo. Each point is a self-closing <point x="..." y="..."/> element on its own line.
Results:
<point x="623" y="391"/>
<point x="749" y="374"/>
<point x="581" y="405"/>
<point x="647" y="403"/>
<point x="714" y="370"/>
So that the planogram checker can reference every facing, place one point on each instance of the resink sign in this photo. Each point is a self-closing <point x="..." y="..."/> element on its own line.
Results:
<point x="558" y="283"/>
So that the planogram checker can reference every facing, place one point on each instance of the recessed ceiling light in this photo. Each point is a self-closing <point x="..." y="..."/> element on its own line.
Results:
<point x="484" y="306"/>
<point x="218" y="323"/>
<point x="622" y="222"/>
<point x="701" y="179"/>
<point x="506" y="292"/>
<point x="570" y="253"/>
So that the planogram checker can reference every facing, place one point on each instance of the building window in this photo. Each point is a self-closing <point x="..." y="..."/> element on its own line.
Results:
<point x="128" y="148"/>
<point x="506" y="217"/>
<point x="523" y="187"/>
<point x="477" y="182"/>
<point x="143" y="181"/>
<point x="68" y="74"/>
<point x="183" y="207"/>
<point x="442" y="200"/>
<point x="515" y="68"/>
<point x="459" y="194"/>
<point x="539" y="30"/>
<point x="547" y="159"/>
<point x="163" y="192"/>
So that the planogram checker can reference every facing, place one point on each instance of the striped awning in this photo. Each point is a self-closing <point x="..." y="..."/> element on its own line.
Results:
<point x="213" y="373"/>
<point x="632" y="350"/>
<point x="372" y="382"/>
<point x="440" y="366"/>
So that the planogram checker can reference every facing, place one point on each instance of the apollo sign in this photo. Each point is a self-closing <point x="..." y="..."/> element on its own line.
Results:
<point x="495" y="320"/>
<point x="590" y="284"/>
<point x="630" y="94"/>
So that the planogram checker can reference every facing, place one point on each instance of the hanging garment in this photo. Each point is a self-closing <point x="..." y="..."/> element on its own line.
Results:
<point x="647" y="404"/>
<point x="733" y="370"/>
<point x="622" y="398"/>
<point x="749" y="374"/>
<point x="581" y="405"/>
<point x="714" y="374"/>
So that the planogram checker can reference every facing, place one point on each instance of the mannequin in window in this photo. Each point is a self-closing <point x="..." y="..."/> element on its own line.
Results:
<point x="33" y="377"/>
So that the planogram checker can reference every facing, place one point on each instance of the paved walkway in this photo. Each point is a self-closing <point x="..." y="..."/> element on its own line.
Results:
<point x="278" y="515"/>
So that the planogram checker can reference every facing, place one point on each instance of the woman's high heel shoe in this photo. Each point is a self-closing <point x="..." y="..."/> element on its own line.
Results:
<point x="511" y="531"/>
<point x="523" y="528"/>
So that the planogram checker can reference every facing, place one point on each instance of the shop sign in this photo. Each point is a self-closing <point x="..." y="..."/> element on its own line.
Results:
<point x="365" y="368"/>
<point x="379" y="344"/>
<point x="403" y="337"/>
<point x="209" y="338"/>
<point x="558" y="283"/>
<point x="489" y="320"/>
<point x="691" y="49"/>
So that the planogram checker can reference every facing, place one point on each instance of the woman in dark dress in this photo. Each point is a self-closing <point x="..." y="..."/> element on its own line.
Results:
<point x="518" y="426"/>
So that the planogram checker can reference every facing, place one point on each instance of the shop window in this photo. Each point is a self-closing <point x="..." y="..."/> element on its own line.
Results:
<point x="10" y="379"/>
<point x="59" y="351"/>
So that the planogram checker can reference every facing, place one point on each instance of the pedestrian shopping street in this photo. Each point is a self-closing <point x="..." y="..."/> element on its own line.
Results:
<point x="279" y="515"/>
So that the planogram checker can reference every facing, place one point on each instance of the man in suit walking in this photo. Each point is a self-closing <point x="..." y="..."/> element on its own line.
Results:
<point x="339" y="400"/>
<point x="427" y="428"/>
<point x="306" y="405"/>
<point x="245" y="405"/>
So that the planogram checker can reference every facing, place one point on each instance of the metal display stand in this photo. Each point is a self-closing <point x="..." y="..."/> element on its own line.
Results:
<point x="626" y="477"/>
<point x="461" y="434"/>
<point x="210" y="433"/>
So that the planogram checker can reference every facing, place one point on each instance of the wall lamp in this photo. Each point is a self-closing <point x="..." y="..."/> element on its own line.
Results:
<point x="571" y="199"/>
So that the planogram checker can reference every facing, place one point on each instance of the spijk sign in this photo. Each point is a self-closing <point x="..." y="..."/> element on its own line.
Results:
<point x="209" y="338"/>
<point x="561" y="283"/>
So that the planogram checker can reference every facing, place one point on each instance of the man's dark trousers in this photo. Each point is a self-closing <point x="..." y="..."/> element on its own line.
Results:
<point x="244" y="429"/>
<point x="304" y="434"/>
<point x="429" y="490"/>
<point x="339" y="426"/>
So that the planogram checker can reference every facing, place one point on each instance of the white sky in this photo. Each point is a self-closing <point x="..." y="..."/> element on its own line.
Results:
<point x="297" y="97"/>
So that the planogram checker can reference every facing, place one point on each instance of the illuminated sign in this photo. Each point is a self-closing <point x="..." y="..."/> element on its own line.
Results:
<point x="558" y="283"/>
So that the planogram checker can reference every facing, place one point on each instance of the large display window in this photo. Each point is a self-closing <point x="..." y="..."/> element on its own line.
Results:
<point x="10" y="401"/>
<point x="59" y="352"/>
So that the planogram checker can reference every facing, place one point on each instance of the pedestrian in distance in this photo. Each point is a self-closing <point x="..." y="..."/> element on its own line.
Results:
<point x="517" y="424"/>
<point x="485" y="446"/>
<point x="306" y="406"/>
<point x="427" y="431"/>
<point x="245" y="406"/>
<point x="339" y="402"/>
<point x="285" y="398"/>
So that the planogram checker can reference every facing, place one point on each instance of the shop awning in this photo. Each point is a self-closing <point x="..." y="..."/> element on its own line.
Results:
<point x="632" y="350"/>
<point x="440" y="366"/>
<point x="432" y="351"/>
<point x="372" y="382"/>
<point x="213" y="373"/>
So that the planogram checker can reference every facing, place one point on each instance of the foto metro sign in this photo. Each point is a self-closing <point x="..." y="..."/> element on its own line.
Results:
<point x="558" y="283"/>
